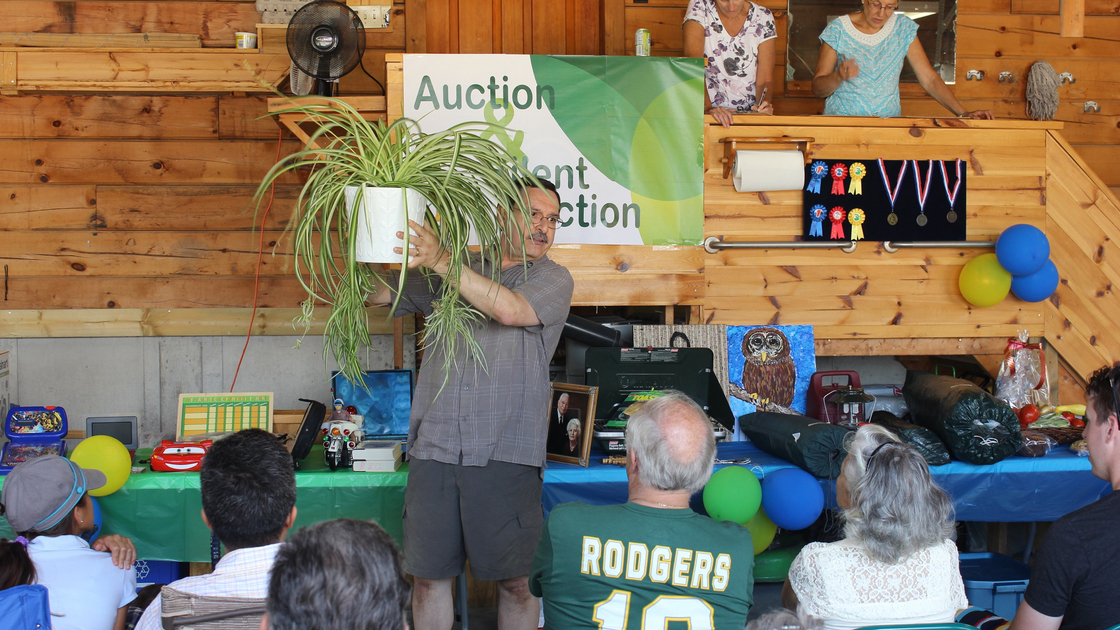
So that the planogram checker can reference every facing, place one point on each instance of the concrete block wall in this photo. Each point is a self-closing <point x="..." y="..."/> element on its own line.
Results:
<point x="143" y="376"/>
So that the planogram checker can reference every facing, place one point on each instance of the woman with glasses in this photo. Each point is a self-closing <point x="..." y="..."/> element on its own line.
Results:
<point x="737" y="39"/>
<point x="861" y="60"/>
<point x="896" y="563"/>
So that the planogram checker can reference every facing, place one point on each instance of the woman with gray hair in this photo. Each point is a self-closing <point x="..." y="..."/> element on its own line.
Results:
<point x="897" y="563"/>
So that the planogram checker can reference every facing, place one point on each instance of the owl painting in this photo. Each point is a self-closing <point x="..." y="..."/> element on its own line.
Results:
<point x="768" y="367"/>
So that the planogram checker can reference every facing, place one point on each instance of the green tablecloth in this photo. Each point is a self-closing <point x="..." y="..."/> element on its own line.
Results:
<point x="160" y="512"/>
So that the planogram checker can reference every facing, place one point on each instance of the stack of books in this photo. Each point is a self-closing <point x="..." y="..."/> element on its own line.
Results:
<point x="377" y="456"/>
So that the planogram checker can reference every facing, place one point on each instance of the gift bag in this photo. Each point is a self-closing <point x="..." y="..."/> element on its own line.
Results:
<point x="1022" y="374"/>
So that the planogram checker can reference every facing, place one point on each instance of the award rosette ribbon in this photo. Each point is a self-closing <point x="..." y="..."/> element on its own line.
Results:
<point x="839" y="172"/>
<point x="857" y="170"/>
<point x="836" y="215"/>
<point x="818" y="171"/>
<point x="816" y="213"/>
<point x="856" y="217"/>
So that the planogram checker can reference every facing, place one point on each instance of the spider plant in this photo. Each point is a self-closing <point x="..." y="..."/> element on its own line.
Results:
<point x="461" y="175"/>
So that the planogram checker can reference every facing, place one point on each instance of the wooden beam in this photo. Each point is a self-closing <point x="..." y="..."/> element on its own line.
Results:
<point x="1073" y="18"/>
<point x="155" y="70"/>
<point x="180" y="322"/>
<point x="920" y="347"/>
<point x="101" y="40"/>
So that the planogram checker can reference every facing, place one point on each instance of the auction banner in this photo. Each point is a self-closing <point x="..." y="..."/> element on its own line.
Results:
<point x="621" y="137"/>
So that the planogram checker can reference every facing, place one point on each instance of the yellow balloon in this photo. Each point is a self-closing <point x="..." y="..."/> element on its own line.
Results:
<point x="762" y="531"/>
<point x="108" y="455"/>
<point x="984" y="282"/>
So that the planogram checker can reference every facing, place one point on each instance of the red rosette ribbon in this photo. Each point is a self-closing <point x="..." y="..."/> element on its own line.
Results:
<point x="838" y="172"/>
<point x="836" y="216"/>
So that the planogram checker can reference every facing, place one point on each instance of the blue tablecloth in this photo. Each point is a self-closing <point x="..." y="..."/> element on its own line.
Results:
<point x="1015" y="489"/>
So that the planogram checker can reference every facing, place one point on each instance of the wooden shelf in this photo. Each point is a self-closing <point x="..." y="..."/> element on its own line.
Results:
<point x="160" y="70"/>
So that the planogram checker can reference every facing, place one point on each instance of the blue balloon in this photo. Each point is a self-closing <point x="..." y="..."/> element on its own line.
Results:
<point x="1038" y="286"/>
<point x="96" y="519"/>
<point x="1022" y="249"/>
<point x="792" y="498"/>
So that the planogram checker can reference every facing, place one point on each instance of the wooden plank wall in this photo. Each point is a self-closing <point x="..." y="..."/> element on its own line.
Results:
<point x="872" y="294"/>
<point x="539" y="27"/>
<point x="129" y="213"/>
<point x="992" y="35"/>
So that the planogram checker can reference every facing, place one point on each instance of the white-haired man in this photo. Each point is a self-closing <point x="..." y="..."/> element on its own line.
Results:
<point x="652" y="559"/>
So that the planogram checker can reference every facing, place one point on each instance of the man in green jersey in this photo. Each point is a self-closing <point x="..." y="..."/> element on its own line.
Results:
<point x="651" y="561"/>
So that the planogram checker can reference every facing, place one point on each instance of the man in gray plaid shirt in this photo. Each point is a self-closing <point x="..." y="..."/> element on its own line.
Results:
<point x="476" y="448"/>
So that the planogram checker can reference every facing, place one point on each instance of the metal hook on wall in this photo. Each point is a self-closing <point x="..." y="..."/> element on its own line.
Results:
<point x="974" y="74"/>
<point x="1006" y="77"/>
<point x="1067" y="77"/>
<point x="1092" y="106"/>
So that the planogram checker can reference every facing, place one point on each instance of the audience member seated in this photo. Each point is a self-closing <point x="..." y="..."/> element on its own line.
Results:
<point x="338" y="575"/>
<point x="896" y="563"/>
<point x="1073" y="584"/>
<point x="652" y="559"/>
<point x="46" y="503"/>
<point x="23" y="604"/>
<point x="249" y="501"/>
<point x="782" y="619"/>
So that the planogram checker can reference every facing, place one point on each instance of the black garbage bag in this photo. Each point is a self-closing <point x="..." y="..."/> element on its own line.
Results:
<point x="921" y="438"/>
<point x="815" y="446"/>
<point x="975" y="426"/>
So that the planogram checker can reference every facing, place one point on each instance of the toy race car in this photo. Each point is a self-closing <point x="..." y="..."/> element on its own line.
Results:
<point x="179" y="456"/>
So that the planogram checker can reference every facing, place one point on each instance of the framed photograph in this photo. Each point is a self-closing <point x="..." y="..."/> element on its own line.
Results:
<point x="571" y="419"/>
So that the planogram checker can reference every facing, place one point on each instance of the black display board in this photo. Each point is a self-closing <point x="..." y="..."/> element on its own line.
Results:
<point x="917" y="200"/>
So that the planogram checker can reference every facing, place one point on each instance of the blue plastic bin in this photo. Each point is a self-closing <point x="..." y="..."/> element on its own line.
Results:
<point x="994" y="582"/>
<point x="158" y="572"/>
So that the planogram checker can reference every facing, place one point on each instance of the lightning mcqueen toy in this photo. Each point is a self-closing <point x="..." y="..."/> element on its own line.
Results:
<point x="179" y="456"/>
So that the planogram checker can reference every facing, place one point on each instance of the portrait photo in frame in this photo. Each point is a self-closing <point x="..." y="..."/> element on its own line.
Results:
<point x="571" y="419"/>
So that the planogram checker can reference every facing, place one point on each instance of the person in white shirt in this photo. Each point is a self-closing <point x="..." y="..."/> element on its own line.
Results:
<point x="897" y="563"/>
<point x="45" y="500"/>
<point x="249" y="501"/>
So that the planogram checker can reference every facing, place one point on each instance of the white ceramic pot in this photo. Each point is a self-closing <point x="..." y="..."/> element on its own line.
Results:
<point x="380" y="217"/>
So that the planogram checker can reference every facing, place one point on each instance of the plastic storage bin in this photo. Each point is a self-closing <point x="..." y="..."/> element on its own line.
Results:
<point x="158" y="572"/>
<point x="994" y="582"/>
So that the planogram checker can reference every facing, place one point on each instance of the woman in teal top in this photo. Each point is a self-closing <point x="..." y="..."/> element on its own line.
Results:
<point x="861" y="59"/>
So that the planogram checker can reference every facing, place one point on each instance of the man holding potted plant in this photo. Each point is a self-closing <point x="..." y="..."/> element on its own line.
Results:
<point x="478" y="428"/>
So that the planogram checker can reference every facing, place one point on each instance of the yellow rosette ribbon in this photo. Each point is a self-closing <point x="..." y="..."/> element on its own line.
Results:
<point x="856" y="217"/>
<point x="856" y="171"/>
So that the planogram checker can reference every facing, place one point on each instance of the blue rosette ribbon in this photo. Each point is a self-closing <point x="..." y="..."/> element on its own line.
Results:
<point x="816" y="213"/>
<point x="818" y="170"/>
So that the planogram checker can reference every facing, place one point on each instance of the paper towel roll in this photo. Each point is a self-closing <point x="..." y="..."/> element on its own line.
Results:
<point x="769" y="170"/>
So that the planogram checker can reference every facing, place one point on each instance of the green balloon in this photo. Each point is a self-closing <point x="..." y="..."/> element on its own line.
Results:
<point x="762" y="531"/>
<point x="733" y="494"/>
<point x="984" y="282"/>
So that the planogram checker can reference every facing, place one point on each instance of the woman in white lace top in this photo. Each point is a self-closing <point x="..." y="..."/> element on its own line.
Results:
<point x="896" y="563"/>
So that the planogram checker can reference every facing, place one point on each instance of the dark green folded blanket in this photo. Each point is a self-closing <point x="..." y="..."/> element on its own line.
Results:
<point x="815" y="446"/>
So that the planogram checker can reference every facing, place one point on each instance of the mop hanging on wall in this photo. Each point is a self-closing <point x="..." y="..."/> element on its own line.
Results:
<point x="899" y="200"/>
<point x="1042" y="91"/>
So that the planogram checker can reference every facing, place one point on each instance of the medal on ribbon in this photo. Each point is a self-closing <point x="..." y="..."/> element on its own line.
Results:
<point x="839" y="172"/>
<point x="817" y="172"/>
<point x="951" y="217"/>
<point x="892" y="193"/>
<point x="923" y="191"/>
<point x="856" y="217"/>
<point x="816" y="213"/>
<point x="857" y="170"/>
<point x="836" y="215"/>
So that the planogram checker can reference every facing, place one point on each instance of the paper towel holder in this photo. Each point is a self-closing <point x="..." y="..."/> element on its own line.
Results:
<point x="729" y="148"/>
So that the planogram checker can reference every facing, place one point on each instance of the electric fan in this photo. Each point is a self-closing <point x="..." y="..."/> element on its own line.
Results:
<point x="326" y="40"/>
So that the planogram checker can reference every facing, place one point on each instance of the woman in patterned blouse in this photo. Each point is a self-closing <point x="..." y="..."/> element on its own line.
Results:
<point x="737" y="39"/>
